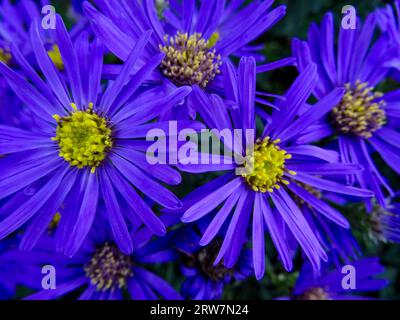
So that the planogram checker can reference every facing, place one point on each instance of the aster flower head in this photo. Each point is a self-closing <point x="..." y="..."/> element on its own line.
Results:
<point x="204" y="280"/>
<point x="328" y="283"/>
<point x="100" y="270"/>
<point x="281" y="168"/>
<point x="84" y="148"/>
<point x="196" y="37"/>
<point x="362" y="122"/>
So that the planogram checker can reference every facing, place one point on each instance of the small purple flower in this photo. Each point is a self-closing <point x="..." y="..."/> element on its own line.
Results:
<point x="99" y="270"/>
<point x="84" y="147"/>
<point x="328" y="284"/>
<point x="204" y="280"/>
<point x="281" y="168"/>
<point x="196" y="37"/>
<point x="362" y="123"/>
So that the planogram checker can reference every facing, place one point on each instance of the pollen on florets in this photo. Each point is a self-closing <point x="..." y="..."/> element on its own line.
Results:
<point x="54" y="223"/>
<point x="109" y="268"/>
<point x="84" y="138"/>
<point x="55" y="56"/>
<point x="267" y="164"/>
<point x="5" y="56"/>
<point x="190" y="60"/>
<point x="360" y="113"/>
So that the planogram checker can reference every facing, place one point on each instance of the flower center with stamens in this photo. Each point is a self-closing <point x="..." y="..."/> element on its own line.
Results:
<point x="190" y="60"/>
<point x="381" y="224"/>
<point x="314" y="294"/>
<point x="204" y="260"/>
<point x="84" y="138"/>
<point x="266" y="166"/>
<point x="5" y="56"/>
<point x="359" y="113"/>
<point x="55" y="56"/>
<point x="109" y="269"/>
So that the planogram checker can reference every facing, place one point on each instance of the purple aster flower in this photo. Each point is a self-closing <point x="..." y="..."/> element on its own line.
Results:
<point x="362" y="122"/>
<point x="99" y="270"/>
<point x="204" y="280"/>
<point x="84" y="146"/>
<point x="327" y="284"/>
<point x="196" y="37"/>
<point x="281" y="169"/>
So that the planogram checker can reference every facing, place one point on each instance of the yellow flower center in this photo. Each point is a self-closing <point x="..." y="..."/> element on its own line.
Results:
<point x="109" y="268"/>
<point x="55" y="56"/>
<point x="267" y="166"/>
<point x="190" y="60"/>
<point x="359" y="113"/>
<point x="83" y="137"/>
<point x="5" y="56"/>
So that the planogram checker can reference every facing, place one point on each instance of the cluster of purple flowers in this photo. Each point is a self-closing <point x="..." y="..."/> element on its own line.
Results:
<point x="77" y="191"/>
